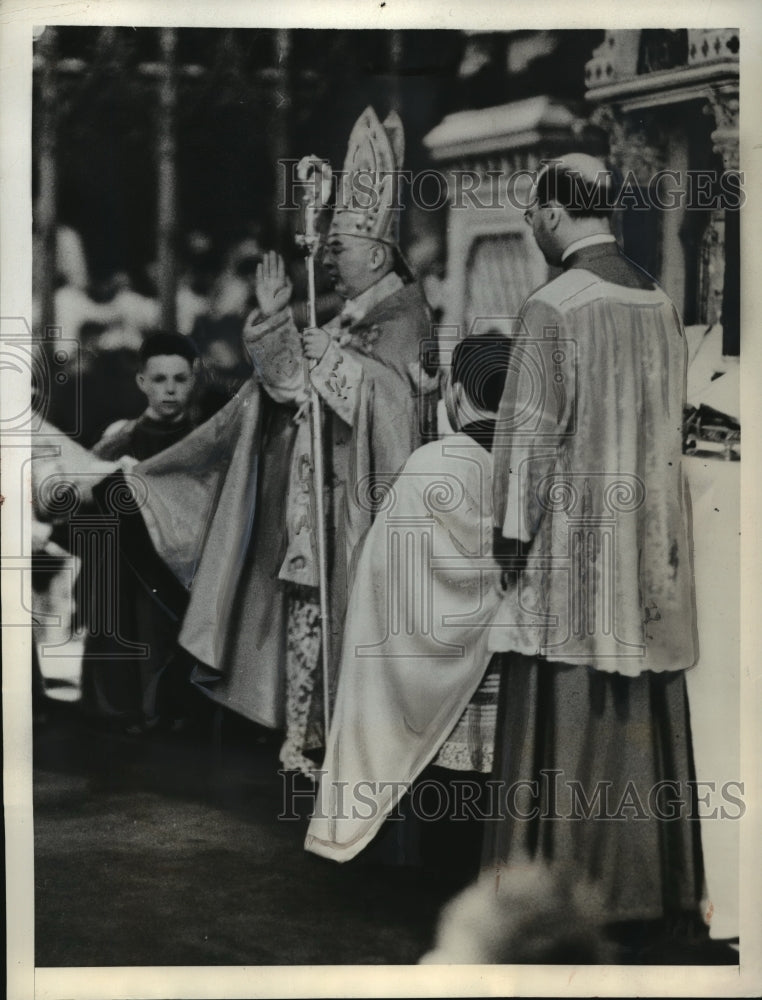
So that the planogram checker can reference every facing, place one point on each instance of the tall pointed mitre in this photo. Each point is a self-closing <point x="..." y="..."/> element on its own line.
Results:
<point x="367" y="199"/>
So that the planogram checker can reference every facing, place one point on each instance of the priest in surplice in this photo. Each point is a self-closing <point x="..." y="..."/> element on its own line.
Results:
<point x="592" y="514"/>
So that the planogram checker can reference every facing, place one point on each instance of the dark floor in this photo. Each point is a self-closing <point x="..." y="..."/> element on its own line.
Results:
<point x="167" y="850"/>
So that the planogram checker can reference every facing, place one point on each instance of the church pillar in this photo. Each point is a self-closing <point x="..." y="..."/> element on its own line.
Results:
<point x="723" y="105"/>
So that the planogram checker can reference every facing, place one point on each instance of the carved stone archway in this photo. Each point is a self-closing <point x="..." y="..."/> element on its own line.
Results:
<point x="640" y="83"/>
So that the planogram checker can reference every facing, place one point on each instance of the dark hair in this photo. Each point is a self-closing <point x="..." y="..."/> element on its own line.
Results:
<point x="163" y="344"/>
<point x="582" y="197"/>
<point x="480" y="364"/>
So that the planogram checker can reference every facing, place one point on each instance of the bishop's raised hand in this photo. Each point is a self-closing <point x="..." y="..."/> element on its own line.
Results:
<point x="271" y="284"/>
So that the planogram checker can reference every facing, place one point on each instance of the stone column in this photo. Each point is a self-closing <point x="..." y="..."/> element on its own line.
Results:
<point x="166" y="206"/>
<point x="723" y="105"/>
<point x="642" y="112"/>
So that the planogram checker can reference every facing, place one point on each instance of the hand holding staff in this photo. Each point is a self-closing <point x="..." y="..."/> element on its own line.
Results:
<point x="315" y="343"/>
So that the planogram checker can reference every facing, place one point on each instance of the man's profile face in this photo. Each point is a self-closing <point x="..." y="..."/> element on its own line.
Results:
<point x="348" y="262"/>
<point x="166" y="380"/>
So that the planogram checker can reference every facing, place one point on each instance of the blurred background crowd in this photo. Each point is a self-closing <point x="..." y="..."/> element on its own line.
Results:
<point x="109" y="318"/>
<point x="157" y="186"/>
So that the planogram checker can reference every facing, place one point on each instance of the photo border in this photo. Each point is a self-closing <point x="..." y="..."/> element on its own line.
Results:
<point x="24" y="981"/>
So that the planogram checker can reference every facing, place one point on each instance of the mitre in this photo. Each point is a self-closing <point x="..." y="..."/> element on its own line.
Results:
<point x="367" y="196"/>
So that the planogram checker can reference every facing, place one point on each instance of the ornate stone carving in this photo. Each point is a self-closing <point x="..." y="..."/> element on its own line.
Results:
<point x="626" y="54"/>
<point x="712" y="45"/>
<point x="615" y="59"/>
<point x="712" y="270"/>
<point x="723" y="104"/>
<point x="636" y="144"/>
